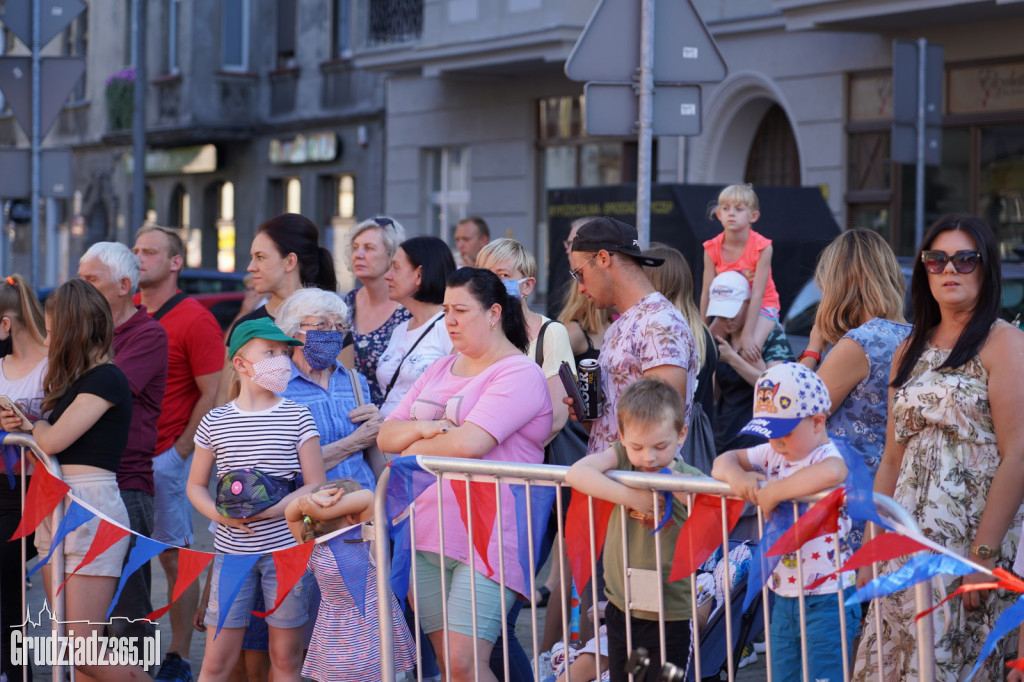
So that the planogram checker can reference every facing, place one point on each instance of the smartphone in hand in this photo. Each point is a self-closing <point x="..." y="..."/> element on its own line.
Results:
<point x="572" y="389"/>
<point x="8" y="404"/>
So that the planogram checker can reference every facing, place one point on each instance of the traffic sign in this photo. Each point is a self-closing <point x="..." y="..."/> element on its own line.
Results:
<point x="613" y="109"/>
<point x="55" y="172"/>
<point x="608" y="49"/>
<point x="59" y="74"/>
<point x="55" y="14"/>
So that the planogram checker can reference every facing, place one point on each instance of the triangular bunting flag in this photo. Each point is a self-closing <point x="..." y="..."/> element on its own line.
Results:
<point x="408" y="481"/>
<point x="190" y="564"/>
<point x="11" y="459"/>
<point x="860" y="484"/>
<point x="144" y="550"/>
<point x="577" y="534"/>
<point x="881" y="548"/>
<point x="485" y="512"/>
<point x="44" y="493"/>
<point x="1016" y="664"/>
<point x="918" y="568"/>
<point x="107" y="535"/>
<point x="702" y="533"/>
<point x="290" y="565"/>
<point x="74" y="517"/>
<point x="401" y="559"/>
<point x="821" y="519"/>
<point x="1007" y="622"/>
<point x="234" y="569"/>
<point x="353" y="560"/>
<point x="761" y="566"/>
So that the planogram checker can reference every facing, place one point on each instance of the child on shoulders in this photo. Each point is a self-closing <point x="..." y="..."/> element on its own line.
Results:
<point x="743" y="250"/>
<point x="651" y="429"/>
<point x="791" y="405"/>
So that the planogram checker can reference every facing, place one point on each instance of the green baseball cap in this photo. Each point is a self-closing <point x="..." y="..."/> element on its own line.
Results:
<point x="260" y="328"/>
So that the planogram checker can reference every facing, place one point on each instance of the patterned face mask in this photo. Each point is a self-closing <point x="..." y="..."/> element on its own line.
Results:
<point x="272" y="373"/>
<point x="322" y="347"/>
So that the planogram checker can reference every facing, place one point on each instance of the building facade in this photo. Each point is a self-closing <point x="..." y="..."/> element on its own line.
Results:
<point x="253" y="109"/>
<point x="482" y="120"/>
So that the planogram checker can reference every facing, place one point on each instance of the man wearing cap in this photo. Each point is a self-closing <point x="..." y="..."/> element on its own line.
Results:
<point x="649" y="339"/>
<point x="735" y="376"/>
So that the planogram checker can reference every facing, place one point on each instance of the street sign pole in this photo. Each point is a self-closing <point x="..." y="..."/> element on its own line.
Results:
<point x="922" y="63"/>
<point x="645" y="137"/>
<point x="37" y="105"/>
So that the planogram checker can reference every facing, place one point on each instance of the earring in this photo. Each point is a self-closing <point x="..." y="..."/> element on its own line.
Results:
<point x="492" y="324"/>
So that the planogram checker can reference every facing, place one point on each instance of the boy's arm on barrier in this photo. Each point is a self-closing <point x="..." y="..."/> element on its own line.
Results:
<point x="733" y="467"/>
<point x="588" y="476"/>
<point x="824" y="475"/>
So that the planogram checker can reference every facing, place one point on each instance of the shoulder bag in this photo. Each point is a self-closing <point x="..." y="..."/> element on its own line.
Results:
<point x="570" y="444"/>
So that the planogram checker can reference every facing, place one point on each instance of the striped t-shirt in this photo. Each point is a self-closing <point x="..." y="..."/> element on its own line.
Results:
<point x="267" y="440"/>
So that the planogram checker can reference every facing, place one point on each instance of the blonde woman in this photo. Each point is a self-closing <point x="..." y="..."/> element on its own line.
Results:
<point x="861" y="316"/>
<point x="674" y="280"/>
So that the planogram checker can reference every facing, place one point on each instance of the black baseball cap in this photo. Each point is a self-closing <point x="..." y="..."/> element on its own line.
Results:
<point x="610" y="234"/>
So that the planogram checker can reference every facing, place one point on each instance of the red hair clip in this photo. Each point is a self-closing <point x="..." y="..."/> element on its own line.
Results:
<point x="10" y="280"/>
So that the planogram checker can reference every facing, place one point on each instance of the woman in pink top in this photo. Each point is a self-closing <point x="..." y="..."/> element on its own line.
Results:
<point x="489" y="401"/>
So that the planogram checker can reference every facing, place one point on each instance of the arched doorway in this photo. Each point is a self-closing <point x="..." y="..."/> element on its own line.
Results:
<point x="773" y="159"/>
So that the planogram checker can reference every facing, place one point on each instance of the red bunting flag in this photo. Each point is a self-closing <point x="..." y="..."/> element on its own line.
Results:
<point x="821" y="519"/>
<point x="1016" y="664"/>
<point x="577" y="534"/>
<point x="485" y="512"/>
<point x="963" y="589"/>
<point x="290" y="565"/>
<point x="107" y="534"/>
<point x="190" y="564"/>
<point x="1009" y="581"/>
<point x="702" y="533"/>
<point x="45" y="492"/>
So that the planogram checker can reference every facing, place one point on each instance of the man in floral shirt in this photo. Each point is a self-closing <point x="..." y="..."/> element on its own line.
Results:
<point x="649" y="339"/>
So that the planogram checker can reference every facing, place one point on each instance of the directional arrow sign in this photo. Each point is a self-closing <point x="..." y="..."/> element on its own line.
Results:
<point x="613" y="109"/>
<point x="56" y="14"/>
<point x="608" y="49"/>
<point x="59" y="75"/>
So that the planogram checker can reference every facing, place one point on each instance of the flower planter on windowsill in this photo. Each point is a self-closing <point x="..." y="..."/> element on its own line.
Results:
<point x="120" y="98"/>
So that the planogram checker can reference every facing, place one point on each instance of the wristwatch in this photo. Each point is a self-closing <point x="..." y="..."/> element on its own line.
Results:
<point x="983" y="551"/>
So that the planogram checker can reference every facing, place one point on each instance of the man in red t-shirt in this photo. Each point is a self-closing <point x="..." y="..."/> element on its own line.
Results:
<point x="195" y="358"/>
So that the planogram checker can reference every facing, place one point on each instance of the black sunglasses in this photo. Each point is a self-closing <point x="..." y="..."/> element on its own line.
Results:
<point x="384" y="222"/>
<point x="964" y="262"/>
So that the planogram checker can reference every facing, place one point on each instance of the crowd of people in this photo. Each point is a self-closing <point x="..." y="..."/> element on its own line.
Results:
<point x="143" y="401"/>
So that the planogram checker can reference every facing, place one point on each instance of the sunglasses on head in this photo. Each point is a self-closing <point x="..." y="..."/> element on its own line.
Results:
<point x="384" y="222"/>
<point x="964" y="262"/>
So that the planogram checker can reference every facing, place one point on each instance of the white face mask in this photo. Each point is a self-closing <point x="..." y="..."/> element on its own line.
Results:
<point x="272" y="373"/>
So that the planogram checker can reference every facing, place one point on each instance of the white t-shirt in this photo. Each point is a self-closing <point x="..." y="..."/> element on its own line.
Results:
<point x="817" y="555"/>
<point x="26" y="392"/>
<point x="435" y="344"/>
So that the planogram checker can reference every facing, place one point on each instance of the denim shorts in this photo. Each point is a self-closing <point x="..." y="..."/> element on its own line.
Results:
<point x="489" y="615"/>
<point x="291" y="614"/>
<point x="172" y="512"/>
<point x="100" y="491"/>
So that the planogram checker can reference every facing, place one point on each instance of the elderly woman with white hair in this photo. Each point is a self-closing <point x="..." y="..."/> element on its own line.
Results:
<point x="318" y="318"/>
<point x="374" y="314"/>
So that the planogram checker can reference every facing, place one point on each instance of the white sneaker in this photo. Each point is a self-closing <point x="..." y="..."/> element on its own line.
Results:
<point x="760" y="647"/>
<point x="749" y="658"/>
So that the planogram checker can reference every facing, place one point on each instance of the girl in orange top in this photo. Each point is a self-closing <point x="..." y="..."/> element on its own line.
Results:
<point x="742" y="249"/>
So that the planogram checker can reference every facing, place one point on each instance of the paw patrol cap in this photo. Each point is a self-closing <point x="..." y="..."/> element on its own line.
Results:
<point x="783" y="395"/>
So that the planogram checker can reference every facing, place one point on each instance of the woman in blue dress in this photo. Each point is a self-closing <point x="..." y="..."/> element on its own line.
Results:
<point x="861" y="317"/>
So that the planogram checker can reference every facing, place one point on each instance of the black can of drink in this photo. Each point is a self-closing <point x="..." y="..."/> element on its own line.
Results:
<point x="590" y="389"/>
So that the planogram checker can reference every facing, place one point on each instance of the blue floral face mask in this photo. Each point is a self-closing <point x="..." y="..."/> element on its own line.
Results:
<point x="512" y="286"/>
<point x="322" y="347"/>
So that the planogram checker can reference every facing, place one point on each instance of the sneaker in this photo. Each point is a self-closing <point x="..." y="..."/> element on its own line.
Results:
<point x="747" y="656"/>
<point x="760" y="647"/>
<point x="175" y="669"/>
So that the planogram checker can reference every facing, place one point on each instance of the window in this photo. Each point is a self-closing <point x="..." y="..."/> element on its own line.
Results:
<point x="179" y="215"/>
<point x="773" y="159"/>
<point x="235" y="35"/>
<point x="173" y="30"/>
<point x="292" y="195"/>
<point x="341" y="29"/>
<point x="76" y="40"/>
<point x="448" y="189"/>
<point x="226" y="228"/>
<point x="337" y="212"/>
<point x="285" y="33"/>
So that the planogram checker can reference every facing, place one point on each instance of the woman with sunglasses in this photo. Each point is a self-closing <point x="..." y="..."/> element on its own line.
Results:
<point x="954" y="451"/>
<point x="374" y="315"/>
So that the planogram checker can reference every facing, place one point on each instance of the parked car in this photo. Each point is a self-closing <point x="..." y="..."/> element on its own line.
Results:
<point x="800" y="317"/>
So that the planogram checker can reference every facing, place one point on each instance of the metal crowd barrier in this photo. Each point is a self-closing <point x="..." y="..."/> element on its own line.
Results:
<point x="25" y="443"/>
<point x="504" y="473"/>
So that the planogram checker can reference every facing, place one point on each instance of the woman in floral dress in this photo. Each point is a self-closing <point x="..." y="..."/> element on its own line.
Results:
<point x="954" y="454"/>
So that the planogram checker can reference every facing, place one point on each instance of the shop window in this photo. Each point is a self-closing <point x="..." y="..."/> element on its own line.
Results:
<point x="773" y="159"/>
<point x="292" y="195"/>
<point x="337" y="200"/>
<point x="570" y="158"/>
<point x="235" y="35"/>
<point x="447" y="189"/>
<point x="226" y="229"/>
<point x="180" y="216"/>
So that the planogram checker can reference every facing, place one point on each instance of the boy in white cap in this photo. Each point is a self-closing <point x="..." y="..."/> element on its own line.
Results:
<point x="790" y="407"/>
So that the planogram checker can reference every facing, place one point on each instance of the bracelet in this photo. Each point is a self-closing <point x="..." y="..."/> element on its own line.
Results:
<point x="810" y="354"/>
<point x="306" y="520"/>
